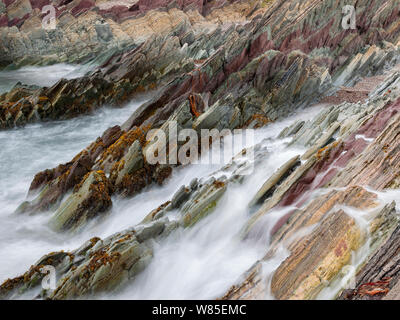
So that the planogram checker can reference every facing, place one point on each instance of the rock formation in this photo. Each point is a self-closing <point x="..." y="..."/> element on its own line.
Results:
<point x="224" y="65"/>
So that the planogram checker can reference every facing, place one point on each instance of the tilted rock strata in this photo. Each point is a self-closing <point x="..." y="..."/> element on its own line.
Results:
<point x="379" y="277"/>
<point x="291" y="59"/>
<point x="86" y="29"/>
<point x="314" y="260"/>
<point x="92" y="197"/>
<point x="239" y="75"/>
<point x="348" y="162"/>
<point x="244" y="82"/>
<point x="101" y="265"/>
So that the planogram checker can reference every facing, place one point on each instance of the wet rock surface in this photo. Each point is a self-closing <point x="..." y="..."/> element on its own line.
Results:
<point x="246" y="81"/>
<point x="314" y="262"/>
<point x="221" y="65"/>
<point x="246" y="63"/>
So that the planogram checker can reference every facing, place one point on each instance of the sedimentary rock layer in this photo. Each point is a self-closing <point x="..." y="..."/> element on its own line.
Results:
<point x="363" y="154"/>
<point x="259" y="66"/>
<point x="226" y="66"/>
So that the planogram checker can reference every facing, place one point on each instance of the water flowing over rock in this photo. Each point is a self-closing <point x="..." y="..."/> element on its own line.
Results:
<point x="304" y="274"/>
<point x="324" y="215"/>
<point x="238" y="62"/>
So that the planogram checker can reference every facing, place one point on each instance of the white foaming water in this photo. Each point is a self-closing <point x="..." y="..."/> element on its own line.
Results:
<point x="25" y="152"/>
<point x="41" y="76"/>
<point x="199" y="262"/>
<point x="202" y="262"/>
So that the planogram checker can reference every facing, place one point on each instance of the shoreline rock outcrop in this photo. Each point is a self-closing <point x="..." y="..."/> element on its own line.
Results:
<point x="88" y="30"/>
<point x="320" y="232"/>
<point x="355" y="160"/>
<point x="236" y="63"/>
<point x="228" y="65"/>
<point x="244" y="80"/>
